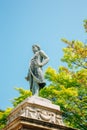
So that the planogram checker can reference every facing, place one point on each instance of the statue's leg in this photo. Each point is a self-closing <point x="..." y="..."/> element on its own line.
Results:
<point x="35" y="89"/>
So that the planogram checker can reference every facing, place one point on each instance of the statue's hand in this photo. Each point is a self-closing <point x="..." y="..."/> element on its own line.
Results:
<point x="27" y="78"/>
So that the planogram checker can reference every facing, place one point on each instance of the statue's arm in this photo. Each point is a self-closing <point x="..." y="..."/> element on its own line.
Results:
<point x="45" y="58"/>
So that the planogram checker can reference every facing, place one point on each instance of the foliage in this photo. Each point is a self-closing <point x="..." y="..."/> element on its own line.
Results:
<point x="68" y="86"/>
<point x="3" y="117"/>
<point x="75" y="54"/>
<point x="85" y="24"/>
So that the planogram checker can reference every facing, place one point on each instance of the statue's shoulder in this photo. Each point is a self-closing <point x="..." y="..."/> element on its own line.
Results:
<point x="41" y="52"/>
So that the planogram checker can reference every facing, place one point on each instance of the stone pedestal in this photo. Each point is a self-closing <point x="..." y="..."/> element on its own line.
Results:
<point x="36" y="113"/>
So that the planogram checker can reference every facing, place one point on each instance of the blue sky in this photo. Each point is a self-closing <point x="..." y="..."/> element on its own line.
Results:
<point x="26" y="22"/>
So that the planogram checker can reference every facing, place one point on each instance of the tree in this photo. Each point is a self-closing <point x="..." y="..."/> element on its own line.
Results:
<point x="75" y="54"/>
<point x="68" y="86"/>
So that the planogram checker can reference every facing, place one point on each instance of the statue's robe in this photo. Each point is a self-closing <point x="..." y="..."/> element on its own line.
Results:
<point x="35" y="72"/>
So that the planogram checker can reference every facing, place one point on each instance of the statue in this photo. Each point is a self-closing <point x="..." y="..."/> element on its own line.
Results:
<point x="35" y="74"/>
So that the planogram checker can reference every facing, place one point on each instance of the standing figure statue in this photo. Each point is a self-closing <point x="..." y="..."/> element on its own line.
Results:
<point x="35" y="74"/>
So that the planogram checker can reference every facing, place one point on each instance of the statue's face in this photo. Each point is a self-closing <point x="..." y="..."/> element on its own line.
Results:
<point x="35" y="49"/>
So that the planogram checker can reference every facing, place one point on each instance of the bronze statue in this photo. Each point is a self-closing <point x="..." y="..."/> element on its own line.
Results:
<point x="35" y="74"/>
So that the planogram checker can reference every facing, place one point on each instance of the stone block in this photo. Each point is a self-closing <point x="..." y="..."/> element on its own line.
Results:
<point x="36" y="113"/>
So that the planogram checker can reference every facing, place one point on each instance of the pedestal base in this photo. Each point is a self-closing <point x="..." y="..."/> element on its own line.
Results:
<point x="36" y="113"/>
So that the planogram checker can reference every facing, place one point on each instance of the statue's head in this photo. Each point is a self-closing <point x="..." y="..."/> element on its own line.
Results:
<point x="35" y="48"/>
